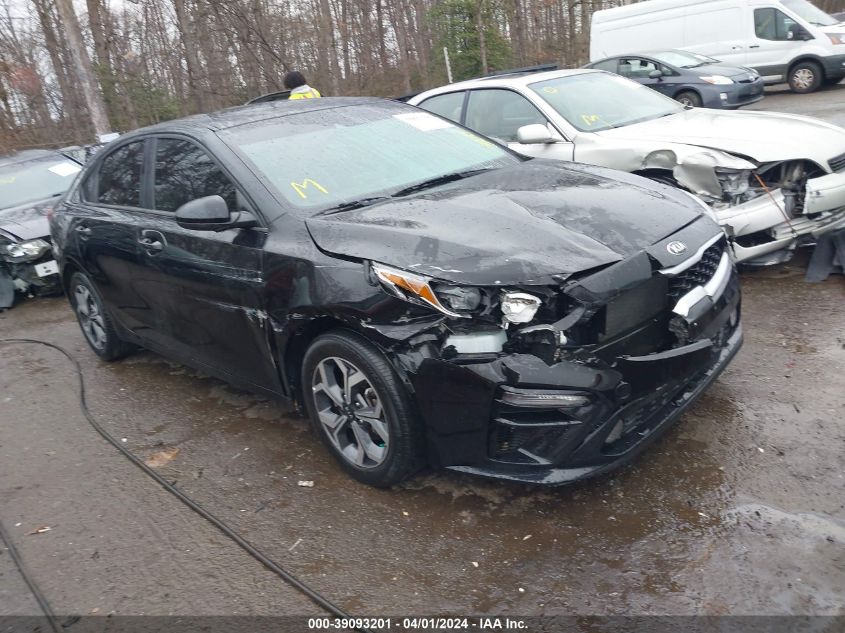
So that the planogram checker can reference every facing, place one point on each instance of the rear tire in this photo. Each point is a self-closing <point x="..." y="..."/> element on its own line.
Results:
<point x="94" y="320"/>
<point x="361" y="410"/>
<point x="689" y="98"/>
<point x="805" y="77"/>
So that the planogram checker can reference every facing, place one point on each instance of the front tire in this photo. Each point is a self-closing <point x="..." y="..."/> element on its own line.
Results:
<point x="361" y="410"/>
<point x="94" y="320"/>
<point x="805" y="77"/>
<point x="688" y="98"/>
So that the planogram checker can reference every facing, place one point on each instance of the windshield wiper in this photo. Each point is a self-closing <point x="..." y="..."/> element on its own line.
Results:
<point x="436" y="182"/>
<point x="354" y="204"/>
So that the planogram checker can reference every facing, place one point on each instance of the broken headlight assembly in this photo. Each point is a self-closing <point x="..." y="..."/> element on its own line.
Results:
<point x="451" y="300"/>
<point x="454" y="300"/>
<point x="25" y="251"/>
<point x="518" y="308"/>
<point x="735" y="183"/>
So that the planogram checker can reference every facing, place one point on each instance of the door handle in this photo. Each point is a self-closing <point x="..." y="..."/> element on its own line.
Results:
<point x="754" y="46"/>
<point x="153" y="246"/>
<point x="152" y="241"/>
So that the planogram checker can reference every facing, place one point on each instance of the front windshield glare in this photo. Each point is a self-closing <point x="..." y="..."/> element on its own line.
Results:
<point x="810" y="13"/>
<point x="682" y="59"/>
<point x="35" y="180"/>
<point x="593" y="102"/>
<point x="319" y="160"/>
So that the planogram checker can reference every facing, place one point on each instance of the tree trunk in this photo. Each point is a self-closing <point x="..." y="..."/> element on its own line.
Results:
<point x="189" y="45"/>
<point x="482" y="41"/>
<point x="82" y="68"/>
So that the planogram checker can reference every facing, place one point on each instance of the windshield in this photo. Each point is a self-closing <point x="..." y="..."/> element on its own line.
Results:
<point x="323" y="159"/>
<point x="682" y="59"/>
<point x="598" y="101"/>
<point x="35" y="180"/>
<point x="810" y="12"/>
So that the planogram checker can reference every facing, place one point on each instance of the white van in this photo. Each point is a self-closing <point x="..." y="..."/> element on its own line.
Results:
<point x="783" y="40"/>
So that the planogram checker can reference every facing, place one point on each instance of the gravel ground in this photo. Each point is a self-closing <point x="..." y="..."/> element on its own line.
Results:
<point x="740" y="509"/>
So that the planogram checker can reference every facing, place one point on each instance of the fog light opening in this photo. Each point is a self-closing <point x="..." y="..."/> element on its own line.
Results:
<point x="616" y="433"/>
<point x="547" y="400"/>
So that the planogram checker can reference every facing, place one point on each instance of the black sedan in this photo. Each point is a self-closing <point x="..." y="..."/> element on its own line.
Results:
<point x="428" y="295"/>
<point x="692" y="79"/>
<point x="29" y="181"/>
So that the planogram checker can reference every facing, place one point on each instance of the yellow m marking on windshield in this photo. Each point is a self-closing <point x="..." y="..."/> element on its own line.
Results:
<point x="300" y="187"/>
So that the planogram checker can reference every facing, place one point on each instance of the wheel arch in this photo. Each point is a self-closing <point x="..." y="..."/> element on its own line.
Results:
<point x="806" y="58"/>
<point x="68" y="269"/>
<point x="687" y="88"/>
<point x="296" y="345"/>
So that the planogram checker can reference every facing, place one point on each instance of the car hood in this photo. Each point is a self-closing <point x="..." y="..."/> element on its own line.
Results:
<point x="26" y="222"/>
<point x="522" y="224"/>
<point x="762" y="136"/>
<point x="721" y="69"/>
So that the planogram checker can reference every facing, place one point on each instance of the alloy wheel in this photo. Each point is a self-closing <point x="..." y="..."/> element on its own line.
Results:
<point x="351" y="412"/>
<point x="90" y="317"/>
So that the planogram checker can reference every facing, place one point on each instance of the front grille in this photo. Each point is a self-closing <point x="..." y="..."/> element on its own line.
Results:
<point x="699" y="274"/>
<point x="838" y="163"/>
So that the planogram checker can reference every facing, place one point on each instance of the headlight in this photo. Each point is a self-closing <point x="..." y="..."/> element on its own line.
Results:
<point x="735" y="182"/>
<point x="26" y="251"/>
<point x="718" y="80"/>
<point x="417" y="289"/>
<point x="519" y="307"/>
<point x="837" y="38"/>
<point x="459" y="298"/>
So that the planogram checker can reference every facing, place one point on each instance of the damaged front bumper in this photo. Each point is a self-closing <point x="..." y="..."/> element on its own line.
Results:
<point x="37" y="278"/>
<point x="760" y="228"/>
<point x="514" y="416"/>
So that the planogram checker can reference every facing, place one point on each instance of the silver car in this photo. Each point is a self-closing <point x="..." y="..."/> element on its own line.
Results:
<point x="771" y="180"/>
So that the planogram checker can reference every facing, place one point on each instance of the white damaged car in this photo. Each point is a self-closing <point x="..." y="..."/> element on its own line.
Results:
<point x="773" y="181"/>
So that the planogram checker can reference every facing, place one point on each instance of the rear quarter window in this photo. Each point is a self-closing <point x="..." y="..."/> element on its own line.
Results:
<point x="448" y="106"/>
<point x="118" y="179"/>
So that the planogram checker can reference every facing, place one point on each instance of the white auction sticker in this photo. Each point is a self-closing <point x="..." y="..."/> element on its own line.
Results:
<point x="423" y="121"/>
<point x="65" y="169"/>
<point x="47" y="268"/>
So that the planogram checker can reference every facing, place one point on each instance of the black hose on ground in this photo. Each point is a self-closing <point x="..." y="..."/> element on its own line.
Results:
<point x="289" y="578"/>
<point x="27" y="578"/>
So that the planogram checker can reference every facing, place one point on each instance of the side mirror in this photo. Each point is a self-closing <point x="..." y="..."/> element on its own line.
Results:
<point x="534" y="134"/>
<point x="655" y="74"/>
<point x="211" y="213"/>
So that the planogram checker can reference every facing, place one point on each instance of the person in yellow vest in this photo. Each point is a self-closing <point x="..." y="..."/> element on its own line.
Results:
<point x="299" y="89"/>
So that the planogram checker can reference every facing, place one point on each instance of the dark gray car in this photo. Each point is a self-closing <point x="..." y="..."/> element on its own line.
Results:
<point x="692" y="79"/>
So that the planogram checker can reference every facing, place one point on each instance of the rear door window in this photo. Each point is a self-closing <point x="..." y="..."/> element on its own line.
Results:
<point x="119" y="177"/>
<point x="185" y="172"/>
<point x="500" y="113"/>
<point x="610" y="65"/>
<point x="449" y="105"/>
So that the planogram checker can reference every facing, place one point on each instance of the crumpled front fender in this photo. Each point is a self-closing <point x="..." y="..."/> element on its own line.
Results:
<point x="692" y="166"/>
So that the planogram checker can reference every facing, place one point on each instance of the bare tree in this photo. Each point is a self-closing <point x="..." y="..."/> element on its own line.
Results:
<point x="82" y="68"/>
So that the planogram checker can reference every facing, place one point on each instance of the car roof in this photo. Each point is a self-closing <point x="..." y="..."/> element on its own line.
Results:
<point x="510" y="80"/>
<point x="27" y="155"/>
<point x="251" y="113"/>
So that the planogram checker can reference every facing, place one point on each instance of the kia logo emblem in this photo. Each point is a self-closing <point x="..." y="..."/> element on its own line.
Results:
<point x="676" y="248"/>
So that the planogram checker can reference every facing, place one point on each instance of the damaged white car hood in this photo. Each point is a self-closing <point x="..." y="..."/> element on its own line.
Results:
<point x="762" y="136"/>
